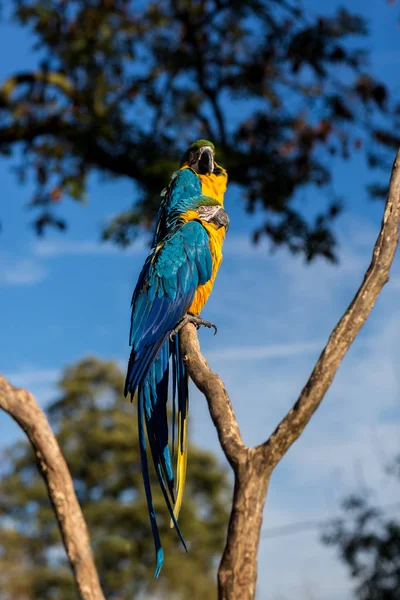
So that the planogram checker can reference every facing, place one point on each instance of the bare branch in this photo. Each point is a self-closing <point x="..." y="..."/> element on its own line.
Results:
<point x="212" y="386"/>
<point x="53" y="78"/>
<point x="23" y="408"/>
<point x="19" y="132"/>
<point x="237" y="573"/>
<point x="291" y="427"/>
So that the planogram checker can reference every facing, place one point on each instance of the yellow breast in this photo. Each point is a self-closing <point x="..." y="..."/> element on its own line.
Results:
<point x="214" y="185"/>
<point x="216" y="239"/>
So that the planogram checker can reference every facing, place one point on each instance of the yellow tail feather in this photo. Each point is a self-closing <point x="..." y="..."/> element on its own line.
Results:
<point x="181" y="466"/>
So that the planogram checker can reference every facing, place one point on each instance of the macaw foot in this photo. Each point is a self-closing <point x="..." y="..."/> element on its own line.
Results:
<point x="196" y="320"/>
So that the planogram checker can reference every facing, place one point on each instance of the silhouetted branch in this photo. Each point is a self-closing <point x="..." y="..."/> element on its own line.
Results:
<point x="23" y="408"/>
<point x="53" y="78"/>
<point x="27" y="132"/>
<point x="123" y="162"/>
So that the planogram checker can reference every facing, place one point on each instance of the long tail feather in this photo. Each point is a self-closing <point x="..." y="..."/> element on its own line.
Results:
<point x="155" y="390"/>
<point x="152" y="407"/>
<point x="174" y="387"/>
<point x="181" y="468"/>
<point x="147" y="487"/>
<point x="153" y="420"/>
<point x="183" y="408"/>
<point x="157" y="464"/>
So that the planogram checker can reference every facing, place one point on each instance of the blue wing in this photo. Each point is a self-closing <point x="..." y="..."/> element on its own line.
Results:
<point x="163" y="295"/>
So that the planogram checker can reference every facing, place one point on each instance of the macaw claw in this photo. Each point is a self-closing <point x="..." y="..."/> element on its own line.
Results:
<point x="196" y="320"/>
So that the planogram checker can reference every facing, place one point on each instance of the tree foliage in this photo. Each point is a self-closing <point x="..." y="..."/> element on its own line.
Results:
<point x="122" y="87"/>
<point x="96" y="429"/>
<point x="368" y="541"/>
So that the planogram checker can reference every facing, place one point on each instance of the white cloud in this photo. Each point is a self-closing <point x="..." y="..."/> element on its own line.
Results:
<point x="245" y="353"/>
<point x="27" y="377"/>
<point x="41" y="382"/>
<point x="20" y="272"/>
<point x="61" y="248"/>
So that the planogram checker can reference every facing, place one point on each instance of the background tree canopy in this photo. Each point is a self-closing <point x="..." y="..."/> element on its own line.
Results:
<point x="122" y="87"/>
<point x="97" y="431"/>
<point x="368" y="542"/>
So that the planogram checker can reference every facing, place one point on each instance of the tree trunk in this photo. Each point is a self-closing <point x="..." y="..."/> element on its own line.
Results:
<point x="237" y="575"/>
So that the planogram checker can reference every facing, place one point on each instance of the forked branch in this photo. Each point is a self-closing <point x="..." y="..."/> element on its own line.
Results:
<point x="253" y="466"/>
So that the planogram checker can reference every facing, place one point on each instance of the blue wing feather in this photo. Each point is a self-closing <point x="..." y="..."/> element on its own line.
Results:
<point x="147" y="488"/>
<point x="174" y="272"/>
<point x="163" y="295"/>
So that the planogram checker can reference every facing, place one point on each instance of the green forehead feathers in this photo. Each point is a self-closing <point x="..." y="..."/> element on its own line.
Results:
<point x="200" y="144"/>
<point x="196" y="146"/>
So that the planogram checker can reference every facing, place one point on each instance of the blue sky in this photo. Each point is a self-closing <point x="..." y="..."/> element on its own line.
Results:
<point x="65" y="296"/>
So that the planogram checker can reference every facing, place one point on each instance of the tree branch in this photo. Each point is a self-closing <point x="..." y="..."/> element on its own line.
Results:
<point x="213" y="388"/>
<point x="23" y="408"/>
<point x="341" y="338"/>
<point x="53" y="78"/>
<point x="253" y="467"/>
<point x="27" y="132"/>
<point x="85" y="142"/>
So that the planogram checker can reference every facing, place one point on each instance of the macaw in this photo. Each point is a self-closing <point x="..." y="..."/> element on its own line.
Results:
<point x="173" y="286"/>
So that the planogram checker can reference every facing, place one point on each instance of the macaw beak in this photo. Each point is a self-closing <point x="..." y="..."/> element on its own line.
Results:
<point x="206" y="161"/>
<point x="221" y="219"/>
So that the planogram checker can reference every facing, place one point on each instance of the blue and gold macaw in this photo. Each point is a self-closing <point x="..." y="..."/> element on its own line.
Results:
<point x="174" y="284"/>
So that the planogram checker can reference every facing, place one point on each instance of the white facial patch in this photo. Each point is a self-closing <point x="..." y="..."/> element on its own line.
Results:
<point x="208" y="212"/>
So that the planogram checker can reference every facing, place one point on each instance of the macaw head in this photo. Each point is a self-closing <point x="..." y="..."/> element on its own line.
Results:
<point x="200" y="157"/>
